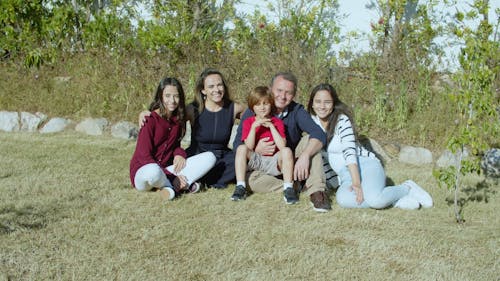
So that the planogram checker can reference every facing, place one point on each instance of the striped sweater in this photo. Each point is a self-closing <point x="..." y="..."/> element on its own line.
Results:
<point x="343" y="148"/>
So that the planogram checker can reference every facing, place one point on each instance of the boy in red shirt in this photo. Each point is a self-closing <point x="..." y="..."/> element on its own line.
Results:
<point x="263" y="125"/>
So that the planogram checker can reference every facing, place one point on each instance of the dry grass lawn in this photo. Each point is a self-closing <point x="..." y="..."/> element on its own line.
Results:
<point x="67" y="212"/>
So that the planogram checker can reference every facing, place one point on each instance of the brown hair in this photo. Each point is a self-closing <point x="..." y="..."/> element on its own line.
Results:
<point x="157" y="102"/>
<point x="259" y="93"/>
<point x="338" y="108"/>
<point x="199" y="98"/>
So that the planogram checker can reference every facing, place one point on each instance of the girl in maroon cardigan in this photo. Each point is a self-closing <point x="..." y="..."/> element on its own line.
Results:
<point x="159" y="162"/>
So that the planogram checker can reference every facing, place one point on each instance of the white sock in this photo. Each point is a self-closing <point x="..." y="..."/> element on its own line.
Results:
<point x="287" y="185"/>
<point x="242" y="183"/>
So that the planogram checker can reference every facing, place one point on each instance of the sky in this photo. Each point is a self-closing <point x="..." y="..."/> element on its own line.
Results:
<point x="358" y="18"/>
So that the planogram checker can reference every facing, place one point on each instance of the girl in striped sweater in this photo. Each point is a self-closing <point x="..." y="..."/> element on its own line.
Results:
<point x="361" y="175"/>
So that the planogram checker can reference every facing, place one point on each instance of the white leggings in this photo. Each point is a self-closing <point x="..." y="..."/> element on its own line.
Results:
<point x="152" y="176"/>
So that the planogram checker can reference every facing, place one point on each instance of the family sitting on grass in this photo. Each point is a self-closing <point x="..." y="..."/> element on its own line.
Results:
<point x="271" y="151"/>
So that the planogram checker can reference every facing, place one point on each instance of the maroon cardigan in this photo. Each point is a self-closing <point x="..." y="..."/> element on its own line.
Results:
<point x="158" y="142"/>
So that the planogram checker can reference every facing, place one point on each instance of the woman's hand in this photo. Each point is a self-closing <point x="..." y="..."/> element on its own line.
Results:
<point x="359" y="192"/>
<point x="142" y="117"/>
<point x="179" y="163"/>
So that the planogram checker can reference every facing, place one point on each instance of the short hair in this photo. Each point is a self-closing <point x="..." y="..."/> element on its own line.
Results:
<point x="259" y="93"/>
<point x="287" y="76"/>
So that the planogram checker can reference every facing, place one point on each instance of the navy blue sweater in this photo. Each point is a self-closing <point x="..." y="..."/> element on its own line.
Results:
<point x="297" y="120"/>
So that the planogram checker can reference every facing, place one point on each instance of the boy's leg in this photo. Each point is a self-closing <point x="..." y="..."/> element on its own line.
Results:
<point x="240" y="162"/>
<point x="261" y="182"/>
<point x="285" y="163"/>
<point x="240" y="167"/>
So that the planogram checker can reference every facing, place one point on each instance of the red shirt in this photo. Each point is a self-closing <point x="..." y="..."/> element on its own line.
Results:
<point x="158" y="142"/>
<point x="261" y="131"/>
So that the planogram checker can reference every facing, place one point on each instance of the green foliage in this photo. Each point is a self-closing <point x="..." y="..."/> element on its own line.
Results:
<point x="185" y="29"/>
<point x="115" y="58"/>
<point x="402" y="62"/>
<point x="21" y="25"/>
<point x="475" y="96"/>
<point x="37" y="31"/>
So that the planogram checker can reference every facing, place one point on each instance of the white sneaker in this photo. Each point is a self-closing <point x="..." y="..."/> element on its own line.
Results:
<point x="407" y="203"/>
<point x="419" y="194"/>
<point x="167" y="193"/>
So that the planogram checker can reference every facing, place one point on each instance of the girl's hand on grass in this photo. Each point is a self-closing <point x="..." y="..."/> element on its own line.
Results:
<point x="359" y="193"/>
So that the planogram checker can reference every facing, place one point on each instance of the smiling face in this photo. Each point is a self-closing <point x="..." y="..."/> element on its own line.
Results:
<point x="262" y="108"/>
<point x="323" y="104"/>
<point x="170" y="98"/>
<point x="213" y="89"/>
<point x="284" y="92"/>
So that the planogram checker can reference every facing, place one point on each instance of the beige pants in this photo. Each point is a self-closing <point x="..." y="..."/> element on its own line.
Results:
<point x="260" y="182"/>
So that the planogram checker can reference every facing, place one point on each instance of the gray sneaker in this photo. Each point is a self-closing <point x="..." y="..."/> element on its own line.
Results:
<point x="290" y="196"/>
<point x="240" y="193"/>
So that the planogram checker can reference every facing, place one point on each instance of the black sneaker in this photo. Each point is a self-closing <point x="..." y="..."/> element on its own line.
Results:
<point x="218" y="186"/>
<point x="240" y="193"/>
<point x="290" y="196"/>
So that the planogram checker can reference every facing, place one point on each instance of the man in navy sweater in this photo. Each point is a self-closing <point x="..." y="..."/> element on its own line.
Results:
<point x="308" y="162"/>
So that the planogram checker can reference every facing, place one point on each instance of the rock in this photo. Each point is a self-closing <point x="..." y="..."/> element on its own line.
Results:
<point x="376" y="148"/>
<point x="62" y="79"/>
<point x="415" y="155"/>
<point x="92" y="126"/>
<point x="392" y="149"/>
<point x="9" y="121"/>
<point x="447" y="158"/>
<point x="124" y="130"/>
<point x="31" y="122"/>
<point x="490" y="163"/>
<point x="55" y="125"/>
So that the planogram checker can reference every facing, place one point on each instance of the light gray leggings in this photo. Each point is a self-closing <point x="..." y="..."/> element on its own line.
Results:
<point x="376" y="194"/>
<point x="152" y="176"/>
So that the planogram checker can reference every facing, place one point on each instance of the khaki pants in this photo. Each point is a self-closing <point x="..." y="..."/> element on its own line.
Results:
<point x="260" y="182"/>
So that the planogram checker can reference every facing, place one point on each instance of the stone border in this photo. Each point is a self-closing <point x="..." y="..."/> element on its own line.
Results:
<point x="39" y="122"/>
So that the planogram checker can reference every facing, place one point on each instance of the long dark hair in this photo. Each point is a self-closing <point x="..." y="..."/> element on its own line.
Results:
<point x="157" y="102"/>
<point x="338" y="108"/>
<point x="199" y="100"/>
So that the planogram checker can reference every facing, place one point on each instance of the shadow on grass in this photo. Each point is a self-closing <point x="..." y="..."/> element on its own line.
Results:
<point x="481" y="192"/>
<point x="25" y="218"/>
